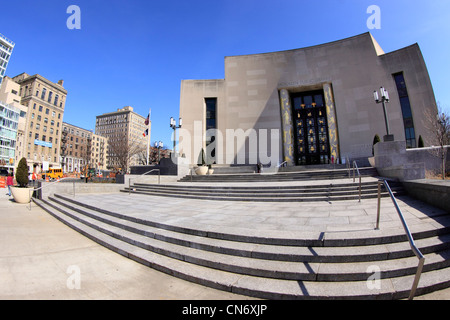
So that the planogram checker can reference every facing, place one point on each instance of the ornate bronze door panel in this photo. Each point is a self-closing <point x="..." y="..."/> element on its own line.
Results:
<point x="311" y="128"/>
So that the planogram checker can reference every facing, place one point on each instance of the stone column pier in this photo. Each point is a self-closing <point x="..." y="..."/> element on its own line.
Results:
<point x="288" y="128"/>
<point x="332" y="121"/>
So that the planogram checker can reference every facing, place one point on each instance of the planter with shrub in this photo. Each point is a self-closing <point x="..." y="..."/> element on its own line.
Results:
<point x="22" y="193"/>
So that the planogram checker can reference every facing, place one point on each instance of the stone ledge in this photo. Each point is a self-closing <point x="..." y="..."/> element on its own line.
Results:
<point x="434" y="192"/>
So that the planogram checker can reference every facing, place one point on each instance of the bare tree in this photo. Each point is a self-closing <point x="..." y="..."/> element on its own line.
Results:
<point x="121" y="150"/>
<point x="439" y="127"/>
<point x="85" y="154"/>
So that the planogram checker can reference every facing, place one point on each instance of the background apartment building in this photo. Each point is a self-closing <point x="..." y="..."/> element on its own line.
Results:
<point x="45" y="103"/>
<point x="80" y="148"/>
<point x="75" y="148"/>
<point x="6" y="48"/>
<point x="125" y="132"/>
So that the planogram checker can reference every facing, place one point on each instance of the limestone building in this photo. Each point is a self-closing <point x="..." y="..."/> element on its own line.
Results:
<point x="125" y="129"/>
<point x="45" y="103"/>
<point x="306" y="106"/>
<point x="99" y="152"/>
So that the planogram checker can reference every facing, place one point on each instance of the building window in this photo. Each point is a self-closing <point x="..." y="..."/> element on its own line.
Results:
<point x="44" y="91"/>
<point x="406" y="110"/>
<point x="50" y="96"/>
<point x="211" y="121"/>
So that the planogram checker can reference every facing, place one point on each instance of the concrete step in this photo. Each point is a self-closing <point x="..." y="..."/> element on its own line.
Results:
<point x="275" y="237"/>
<point x="280" y="176"/>
<point x="262" y="188"/>
<point x="317" y="254"/>
<point x="269" y="194"/>
<point x="368" y="187"/>
<point x="273" y="279"/>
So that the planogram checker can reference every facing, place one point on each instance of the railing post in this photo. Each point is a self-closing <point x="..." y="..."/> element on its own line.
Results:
<point x="30" y="196"/>
<point x="379" y="205"/>
<point x="416" y="279"/>
<point x="353" y="172"/>
<point x="360" y="191"/>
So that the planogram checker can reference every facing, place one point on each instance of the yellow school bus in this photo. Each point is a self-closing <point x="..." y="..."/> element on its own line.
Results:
<point x="55" y="173"/>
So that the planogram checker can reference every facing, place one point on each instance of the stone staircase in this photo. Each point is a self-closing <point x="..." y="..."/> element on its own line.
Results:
<point x="326" y="191"/>
<point x="301" y="175"/>
<point x="294" y="186"/>
<point x="269" y="264"/>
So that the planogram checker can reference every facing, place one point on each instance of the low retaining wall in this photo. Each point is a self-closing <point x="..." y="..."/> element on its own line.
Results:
<point x="433" y="192"/>
<point x="393" y="160"/>
<point x="79" y="187"/>
<point x="147" y="179"/>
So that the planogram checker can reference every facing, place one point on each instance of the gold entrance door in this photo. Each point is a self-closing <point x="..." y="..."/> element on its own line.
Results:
<point x="311" y="128"/>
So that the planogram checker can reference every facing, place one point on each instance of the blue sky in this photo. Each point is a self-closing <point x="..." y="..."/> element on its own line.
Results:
<point x="136" y="52"/>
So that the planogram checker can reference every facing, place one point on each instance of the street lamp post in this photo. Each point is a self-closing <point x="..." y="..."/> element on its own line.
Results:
<point x="384" y="99"/>
<point x="173" y="125"/>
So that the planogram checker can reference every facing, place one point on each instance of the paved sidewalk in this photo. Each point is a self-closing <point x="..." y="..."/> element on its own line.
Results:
<point x="37" y="252"/>
<point x="40" y="256"/>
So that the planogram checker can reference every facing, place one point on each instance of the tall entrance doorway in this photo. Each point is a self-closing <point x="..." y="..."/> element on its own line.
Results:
<point x="309" y="117"/>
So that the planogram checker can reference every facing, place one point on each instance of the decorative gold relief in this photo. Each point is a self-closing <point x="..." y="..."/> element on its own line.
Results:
<point x="332" y="123"/>
<point x="287" y="125"/>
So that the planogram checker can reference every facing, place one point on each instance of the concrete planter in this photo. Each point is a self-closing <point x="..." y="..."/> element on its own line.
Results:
<point x="372" y="161"/>
<point x="201" y="171"/>
<point x="21" y="195"/>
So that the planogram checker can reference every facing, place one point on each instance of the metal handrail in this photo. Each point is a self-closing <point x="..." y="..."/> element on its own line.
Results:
<point x="282" y="164"/>
<point x="414" y="248"/>
<point x="31" y="191"/>
<point x="348" y="165"/>
<point x="129" y="180"/>
<point x="355" y="166"/>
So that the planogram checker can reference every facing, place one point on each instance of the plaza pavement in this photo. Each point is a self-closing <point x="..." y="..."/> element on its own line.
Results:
<point x="37" y="251"/>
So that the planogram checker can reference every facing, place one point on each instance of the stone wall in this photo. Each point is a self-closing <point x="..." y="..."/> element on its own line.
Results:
<point x="393" y="160"/>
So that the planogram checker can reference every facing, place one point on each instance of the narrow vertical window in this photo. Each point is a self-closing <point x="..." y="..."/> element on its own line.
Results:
<point x="405" y="104"/>
<point x="211" y="121"/>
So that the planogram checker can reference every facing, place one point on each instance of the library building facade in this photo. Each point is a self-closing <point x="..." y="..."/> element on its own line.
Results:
<point x="306" y="106"/>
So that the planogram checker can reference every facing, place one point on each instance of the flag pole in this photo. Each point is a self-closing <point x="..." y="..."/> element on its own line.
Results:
<point x="148" y="141"/>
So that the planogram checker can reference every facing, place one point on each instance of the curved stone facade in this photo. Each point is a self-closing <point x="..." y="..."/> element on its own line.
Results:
<point x="255" y="98"/>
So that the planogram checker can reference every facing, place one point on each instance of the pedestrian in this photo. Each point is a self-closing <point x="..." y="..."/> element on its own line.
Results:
<point x="33" y="177"/>
<point x="9" y="183"/>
